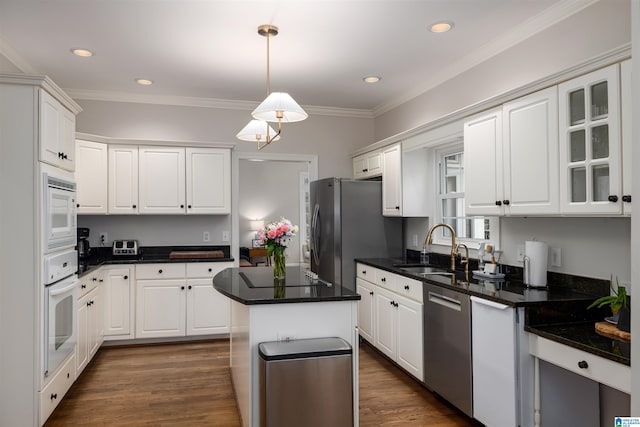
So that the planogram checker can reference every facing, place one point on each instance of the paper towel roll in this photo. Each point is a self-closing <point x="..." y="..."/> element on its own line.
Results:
<point x="535" y="263"/>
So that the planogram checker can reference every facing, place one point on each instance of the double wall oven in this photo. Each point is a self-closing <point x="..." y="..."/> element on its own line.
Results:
<point x="59" y="271"/>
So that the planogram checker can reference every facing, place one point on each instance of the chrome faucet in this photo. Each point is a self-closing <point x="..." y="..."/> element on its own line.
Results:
<point x="464" y="261"/>
<point x="429" y="238"/>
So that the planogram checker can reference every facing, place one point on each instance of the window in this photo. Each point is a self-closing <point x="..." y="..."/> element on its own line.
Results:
<point x="468" y="229"/>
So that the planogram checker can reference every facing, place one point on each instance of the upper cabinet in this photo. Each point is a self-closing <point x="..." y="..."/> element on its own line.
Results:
<point x="511" y="157"/>
<point x="91" y="177"/>
<point x="625" y="95"/>
<point x="590" y="144"/>
<point x="123" y="179"/>
<point x="392" y="181"/>
<point x="57" y="133"/>
<point x="208" y="176"/>
<point x="161" y="180"/>
<point x="367" y="165"/>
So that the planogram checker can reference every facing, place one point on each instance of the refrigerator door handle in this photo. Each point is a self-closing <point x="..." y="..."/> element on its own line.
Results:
<point x="314" y="234"/>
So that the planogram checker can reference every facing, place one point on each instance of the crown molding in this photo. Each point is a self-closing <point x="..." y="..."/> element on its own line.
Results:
<point x="527" y="29"/>
<point x="16" y="59"/>
<point x="152" y="142"/>
<point x="187" y="101"/>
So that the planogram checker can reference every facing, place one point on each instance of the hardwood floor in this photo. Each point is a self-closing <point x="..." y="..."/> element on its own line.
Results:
<point x="189" y="384"/>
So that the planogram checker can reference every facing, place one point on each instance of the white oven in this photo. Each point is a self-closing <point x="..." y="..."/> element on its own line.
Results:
<point x="59" y="213"/>
<point x="60" y="274"/>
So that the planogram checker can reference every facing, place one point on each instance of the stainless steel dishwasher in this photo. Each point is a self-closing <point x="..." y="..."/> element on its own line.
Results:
<point x="447" y="346"/>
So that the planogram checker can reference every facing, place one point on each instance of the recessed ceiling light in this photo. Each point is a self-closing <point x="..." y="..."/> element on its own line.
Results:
<point x="82" y="52"/>
<point x="371" y="79"/>
<point x="144" y="82"/>
<point x="441" y="27"/>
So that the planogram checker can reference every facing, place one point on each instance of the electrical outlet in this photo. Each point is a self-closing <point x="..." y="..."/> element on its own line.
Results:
<point x="520" y="251"/>
<point x="206" y="236"/>
<point x="103" y="238"/>
<point x="286" y="336"/>
<point x="556" y="257"/>
<point x="225" y="236"/>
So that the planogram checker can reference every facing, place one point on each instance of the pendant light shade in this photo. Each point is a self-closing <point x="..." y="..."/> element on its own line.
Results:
<point x="279" y="107"/>
<point x="256" y="131"/>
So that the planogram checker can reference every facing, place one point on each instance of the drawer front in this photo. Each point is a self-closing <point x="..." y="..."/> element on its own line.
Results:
<point x="409" y="288"/>
<point x="87" y="283"/>
<point x="54" y="391"/>
<point x="205" y="269"/>
<point x="597" y="368"/>
<point x="386" y="280"/>
<point x="161" y="271"/>
<point x="366" y="272"/>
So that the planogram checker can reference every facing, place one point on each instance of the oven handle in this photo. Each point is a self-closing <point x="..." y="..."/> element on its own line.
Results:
<point x="57" y="292"/>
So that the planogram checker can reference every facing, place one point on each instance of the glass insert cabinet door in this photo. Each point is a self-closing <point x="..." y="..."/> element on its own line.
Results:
<point x="590" y="143"/>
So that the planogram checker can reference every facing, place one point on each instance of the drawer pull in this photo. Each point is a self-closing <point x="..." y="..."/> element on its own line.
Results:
<point x="406" y="287"/>
<point x="364" y="271"/>
<point x="126" y="277"/>
<point x="583" y="364"/>
<point x="54" y="396"/>
<point x="384" y="279"/>
<point x="160" y="271"/>
<point x="83" y="286"/>
<point x="371" y="293"/>
<point x="210" y="270"/>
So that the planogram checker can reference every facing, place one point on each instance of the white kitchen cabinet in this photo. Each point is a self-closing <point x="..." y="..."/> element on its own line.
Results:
<point x="392" y="181"/>
<point x="511" y="158"/>
<point x="208" y="180"/>
<point x="627" y="142"/>
<point x="118" y="296"/>
<point x="161" y="180"/>
<point x="90" y="327"/>
<point x="57" y="133"/>
<point x="366" y="310"/>
<point x="208" y="311"/>
<point x="367" y="165"/>
<point x="390" y="316"/>
<point x="123" y="179"/>
<point x="91" y="177"/>
<point x="590" y="145"/>
<point x="178" y="299"/>
<point x="502" y="374"/>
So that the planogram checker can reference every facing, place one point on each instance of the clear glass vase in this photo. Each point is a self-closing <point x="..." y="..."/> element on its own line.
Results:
<point x="279" y="268"/>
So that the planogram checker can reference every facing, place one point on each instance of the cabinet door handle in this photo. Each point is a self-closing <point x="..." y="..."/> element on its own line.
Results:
<point x="160" y="271"/>
<point x="182" y="288"/>
<point x="83" y="286"/>
<point x="365" y="170"/>
<point x="384" y="279"/>
<point x="498" y="203"/>
<point x="134" y="206"/>
<point x="189" y="287"/>
<point x="406" y="287"/>
<point x="181" y="206"/>
<point x="189" y="206"/>
<point x="626" y="198"/>
<point x="506" y="202"/>
<point x="77" y="205"/>
<point x="126" y="277"/>
<point x="370" y="292"/>
<point x="88" y="305"/>
<point x="397" y="208"/>
<point x="210" y="270"/>
<point x="583" y="364"/>
<point x="60" y="155"/>
<point x="93" y="279"/>
<point x="100" y="280"/>
<point x="54" y="396"/>
<point x="64" y="156"/>
<point x="391" y="302"/>
<point x="613" y="198"/>
<point x="364" y="271"/>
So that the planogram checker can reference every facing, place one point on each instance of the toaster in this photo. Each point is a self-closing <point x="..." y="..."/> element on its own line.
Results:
<point x="125" y="248"/>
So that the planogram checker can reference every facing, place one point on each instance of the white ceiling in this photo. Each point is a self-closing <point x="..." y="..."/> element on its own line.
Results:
<point x="210" y="49"/>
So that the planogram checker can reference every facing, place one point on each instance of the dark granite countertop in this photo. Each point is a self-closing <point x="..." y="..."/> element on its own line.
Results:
<point x="147" y="255"/>
<point x="507" y="291"/>
<point x="582" y="335"/>
<point x="255" y="285"/>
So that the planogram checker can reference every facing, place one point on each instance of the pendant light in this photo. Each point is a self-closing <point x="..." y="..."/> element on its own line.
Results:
<point x="278" y="107"/>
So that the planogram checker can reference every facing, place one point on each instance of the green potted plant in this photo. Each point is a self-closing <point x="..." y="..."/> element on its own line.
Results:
<point x="618" y="301"/>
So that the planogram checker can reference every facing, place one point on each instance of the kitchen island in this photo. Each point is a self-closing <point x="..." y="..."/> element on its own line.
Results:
<point x="262" y="312"/>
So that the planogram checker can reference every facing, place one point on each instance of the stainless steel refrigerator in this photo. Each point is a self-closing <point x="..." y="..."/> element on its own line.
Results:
<point x="347" y="223"/>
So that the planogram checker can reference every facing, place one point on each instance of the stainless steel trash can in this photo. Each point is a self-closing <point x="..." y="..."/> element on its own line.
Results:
<point x="306" y="383"/>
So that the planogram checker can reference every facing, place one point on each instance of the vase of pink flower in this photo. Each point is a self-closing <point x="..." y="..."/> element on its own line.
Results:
<point x="276" y="236"/>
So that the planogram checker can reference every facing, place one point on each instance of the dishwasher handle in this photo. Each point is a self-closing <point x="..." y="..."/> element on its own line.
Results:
<point x="445" y="301"/>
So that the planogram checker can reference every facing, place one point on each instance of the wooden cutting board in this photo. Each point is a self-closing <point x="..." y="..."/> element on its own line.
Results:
<point x="611" y="330"/>
<point x="195" y="254"/>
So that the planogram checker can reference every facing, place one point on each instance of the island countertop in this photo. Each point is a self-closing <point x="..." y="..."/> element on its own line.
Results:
<point x="255" y="285"/>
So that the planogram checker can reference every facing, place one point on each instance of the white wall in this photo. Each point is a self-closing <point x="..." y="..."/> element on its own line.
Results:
<point x="269" y="190"/>
<point x="157" y="230"/>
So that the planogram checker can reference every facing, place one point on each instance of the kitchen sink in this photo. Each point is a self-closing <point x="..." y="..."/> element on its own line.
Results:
<point x="423" y="270"/>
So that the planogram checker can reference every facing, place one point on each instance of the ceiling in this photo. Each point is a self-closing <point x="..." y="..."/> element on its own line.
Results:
<point x="210" y="49"/>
